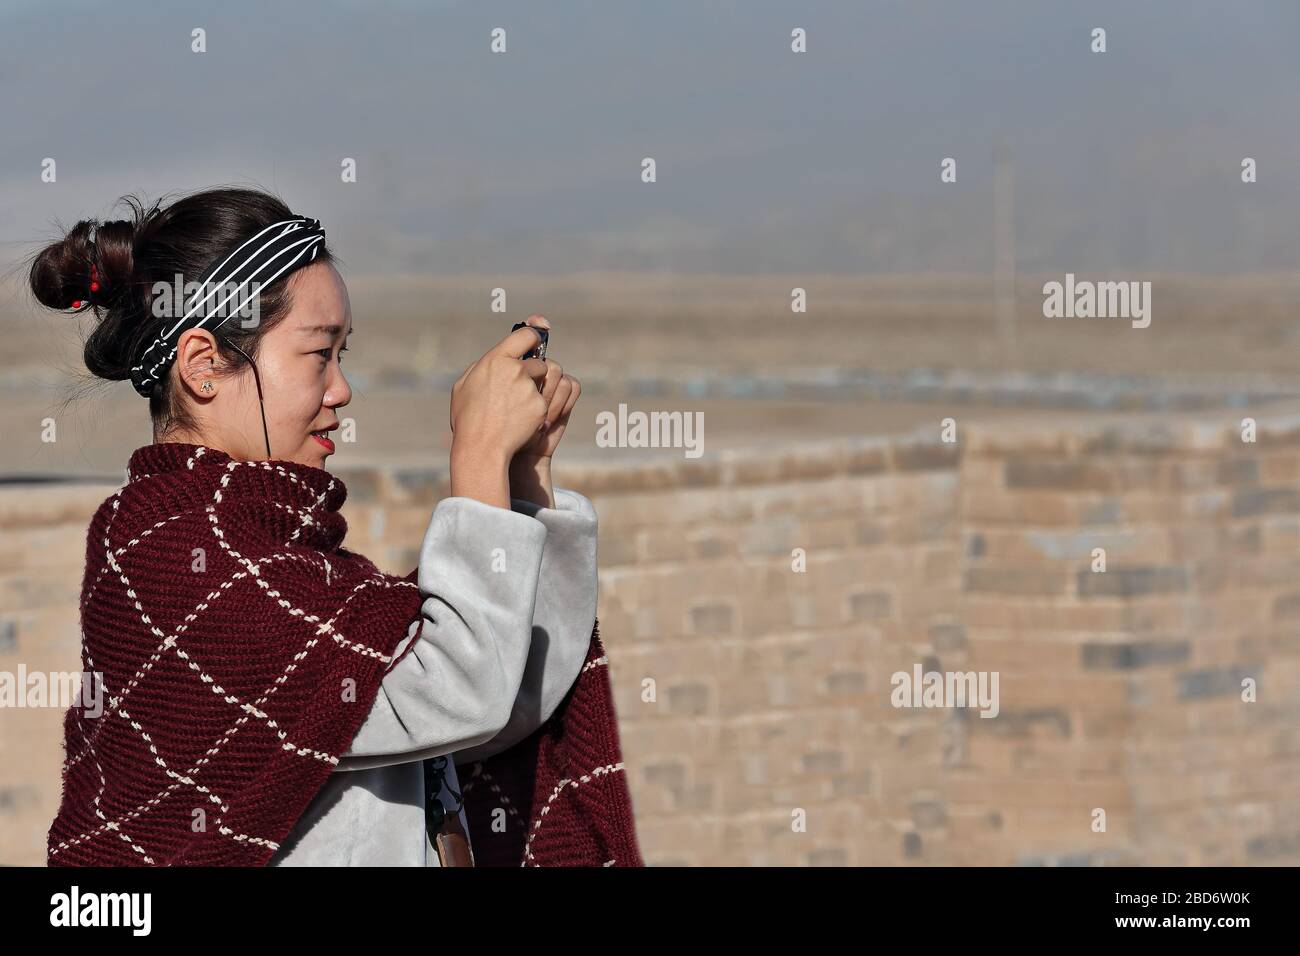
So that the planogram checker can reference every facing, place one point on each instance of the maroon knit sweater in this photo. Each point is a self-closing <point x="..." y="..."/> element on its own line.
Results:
<point x="241" y="647"/>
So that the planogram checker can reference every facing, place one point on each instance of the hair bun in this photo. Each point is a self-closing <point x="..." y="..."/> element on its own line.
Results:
<point x="92" y="252"/>
<point x="114" y="252"/>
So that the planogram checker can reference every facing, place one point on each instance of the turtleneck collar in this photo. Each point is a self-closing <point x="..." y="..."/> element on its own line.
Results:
<point x="298" y="503"/>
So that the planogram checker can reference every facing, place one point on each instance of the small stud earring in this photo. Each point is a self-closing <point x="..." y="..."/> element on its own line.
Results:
<point x="206" y="386"/>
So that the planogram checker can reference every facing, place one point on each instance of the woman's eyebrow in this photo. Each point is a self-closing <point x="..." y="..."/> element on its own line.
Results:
<point x="330" y="329"/>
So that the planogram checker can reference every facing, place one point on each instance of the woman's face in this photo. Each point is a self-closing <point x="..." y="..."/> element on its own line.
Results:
<point x="302" y="382"/>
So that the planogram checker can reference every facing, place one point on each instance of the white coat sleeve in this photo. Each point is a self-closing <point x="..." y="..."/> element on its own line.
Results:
<point x="478" y="575"/>
<point x="563" y="619"/>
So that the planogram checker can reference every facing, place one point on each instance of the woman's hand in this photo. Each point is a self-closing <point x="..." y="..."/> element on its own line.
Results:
<point x="498" y="403"/>
<point x="530" y="469"/>
<point x="527" y="468"/>
<point x="561" y="392"/>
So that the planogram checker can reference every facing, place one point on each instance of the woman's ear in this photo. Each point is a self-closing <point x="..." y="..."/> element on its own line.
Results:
<point x="196" y="353"/>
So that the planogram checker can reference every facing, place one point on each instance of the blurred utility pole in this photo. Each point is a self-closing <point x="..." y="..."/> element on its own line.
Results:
<point x="1004" y="248"/>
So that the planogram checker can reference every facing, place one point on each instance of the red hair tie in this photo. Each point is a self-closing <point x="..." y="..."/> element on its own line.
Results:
<point x="94" y="284"/>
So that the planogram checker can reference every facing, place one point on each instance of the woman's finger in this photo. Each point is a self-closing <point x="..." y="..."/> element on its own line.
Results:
<point x="554" y="375"/>
<point x="519" y="342"/>
<point x="536" y="369"/>
<point x="575" y="389"/>
<point x="559" y="397"/>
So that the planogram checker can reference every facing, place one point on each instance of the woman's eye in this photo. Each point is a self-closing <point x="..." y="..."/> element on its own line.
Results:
<point x="325" y="353"/>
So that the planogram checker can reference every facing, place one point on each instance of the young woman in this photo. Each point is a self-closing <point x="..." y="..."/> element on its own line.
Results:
<point x="272" y="697"/>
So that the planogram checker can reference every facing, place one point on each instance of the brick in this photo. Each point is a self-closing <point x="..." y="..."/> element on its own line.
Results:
<point x="1287" y="605"/>
<point x="828" y="856"/>
<point x="615" y="547"/>
<point x="654" y="544"/>
<point x="689" y="699"/>
<point x="869" y="605"/>
<point x="8" y="636"/>
<point x="700" y="797"/>
<point x="712" y="619"/>
<point x="1247" y="502"/>
<point x="1053" y="720"/>
<point x="1279" y="469"/>
<point x="1108" y="475"/>
<point x="27" y="506"/>
<point x="410" y="486"/>
<point x="948" y="636"/>
<point x="35" y="590"/>
<point x="809" y="465"/>
<point x="928" y="814"/>
<point x="823" y="761"/>
<point x="365" y="485"/>
<point x="1137" y="438"/>
<point x="1108" y="510"/>
<point x="827" y="533"/>
<point x="1078" y="544"/>
<point x="699" y="473"/>
<point x="1238" y="471"/>
<point x="771" y="536"/>
<point x="1273" y="846"/>
<point x="1193" y="475"/>
<point x="849" y="684"/>
<point x="851" y="784"/>
<point x="1249" y="539"/>
<point x="1022" y="581"/>
<point x="753" y="471"/>
<point x="867" y="460"/>
<point x="1131" y="581"/>
<point x="1052" y="474"/>
<point x="404" y="558"/>
<point x="868" y="533"/>
<point x="713" y="543"/>
<point x="1133" y="654"/>
<point x="926" y="456"/>
<point x="1217" y="682"/>
<point x="59" y="548"/>
<point x="670" y="774"/>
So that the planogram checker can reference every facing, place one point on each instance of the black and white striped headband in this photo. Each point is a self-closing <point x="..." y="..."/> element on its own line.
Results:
<point x="270" y="255"/>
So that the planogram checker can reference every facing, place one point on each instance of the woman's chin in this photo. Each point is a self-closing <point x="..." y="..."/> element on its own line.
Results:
<point x="319" y="450"/>
<point x="312" y="454"/>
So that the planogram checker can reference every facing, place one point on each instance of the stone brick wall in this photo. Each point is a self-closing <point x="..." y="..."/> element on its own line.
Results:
<point x="755" y="699"/>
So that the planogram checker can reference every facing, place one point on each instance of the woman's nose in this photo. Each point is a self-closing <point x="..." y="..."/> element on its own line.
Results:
<point x="340" y="392"/>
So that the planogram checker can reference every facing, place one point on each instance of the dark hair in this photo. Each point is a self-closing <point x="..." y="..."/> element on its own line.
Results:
<point x="154" y="245"/>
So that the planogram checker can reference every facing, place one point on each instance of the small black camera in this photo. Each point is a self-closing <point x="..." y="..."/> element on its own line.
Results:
<point x="540" y="350"/>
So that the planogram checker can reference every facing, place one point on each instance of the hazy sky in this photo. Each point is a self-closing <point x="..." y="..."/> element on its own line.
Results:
<point x="767" y="160"/>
